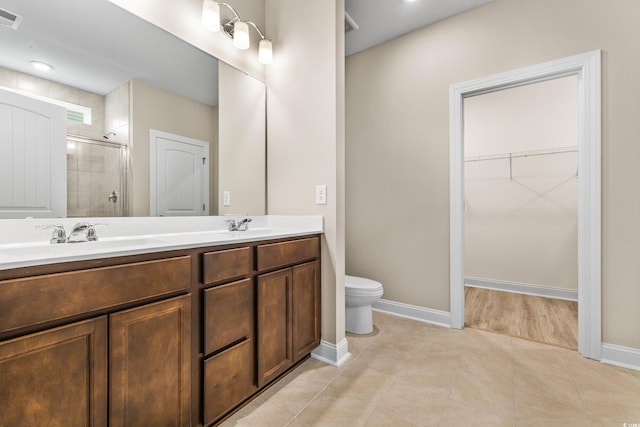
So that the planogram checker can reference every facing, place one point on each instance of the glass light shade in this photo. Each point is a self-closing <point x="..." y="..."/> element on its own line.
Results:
<point x="211" y="15"/>
<point x="265" y="52"/>
<point x="241" y="35"/>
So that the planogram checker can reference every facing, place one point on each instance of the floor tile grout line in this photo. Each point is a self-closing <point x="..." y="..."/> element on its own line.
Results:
<point x="343" y="370"/>
<point x="578" y="388"/>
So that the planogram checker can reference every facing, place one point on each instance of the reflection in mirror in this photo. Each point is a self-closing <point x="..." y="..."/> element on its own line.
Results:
<point x="124" y="77"/>
<point x="241" y="149"/>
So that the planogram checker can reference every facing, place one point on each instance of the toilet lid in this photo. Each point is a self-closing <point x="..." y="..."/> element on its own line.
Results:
<point x="360" y="283"/>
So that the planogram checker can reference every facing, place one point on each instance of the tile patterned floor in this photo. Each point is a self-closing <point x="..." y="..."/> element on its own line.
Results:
<point x="409" y="373"/>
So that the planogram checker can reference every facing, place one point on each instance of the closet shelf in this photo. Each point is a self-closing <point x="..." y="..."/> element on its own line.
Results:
<point x="518" y="154"/>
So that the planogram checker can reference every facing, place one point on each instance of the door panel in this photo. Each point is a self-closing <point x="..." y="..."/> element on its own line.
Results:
<point x="149" y="369"/>
<point x="306" y="309"/>
<point x="56" y="378"/>
<point x="33" y="170"/>
<point x="179" y="176"/>
<point x="274" y="325"/>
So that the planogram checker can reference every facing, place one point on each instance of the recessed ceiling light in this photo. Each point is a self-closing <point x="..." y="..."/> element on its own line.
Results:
<point x="41" y="66"/>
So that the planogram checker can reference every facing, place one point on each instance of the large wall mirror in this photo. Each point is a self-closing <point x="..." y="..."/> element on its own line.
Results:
<point x="122" y="79"/>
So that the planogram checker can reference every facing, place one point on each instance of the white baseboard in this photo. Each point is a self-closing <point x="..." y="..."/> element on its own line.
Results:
<point x="332" y="354"/>
<point x="618" y="355"/>
<point x="422" y="314"/>
<point x="522" y="288"/>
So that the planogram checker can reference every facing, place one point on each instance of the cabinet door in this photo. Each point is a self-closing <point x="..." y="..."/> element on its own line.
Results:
<point x="56" y="377"/>
<point x="306" y="309"/>
<point x="149" y="365"/>
<point x="228" y="315"/>
<point x="274" y="325"/>
<point x="228" y="380"/>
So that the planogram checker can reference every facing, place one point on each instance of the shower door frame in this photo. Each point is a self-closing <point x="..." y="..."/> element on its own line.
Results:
<point x="587" y="67"/>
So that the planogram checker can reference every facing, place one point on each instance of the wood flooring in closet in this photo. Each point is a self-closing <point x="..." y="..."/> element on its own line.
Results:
<point x="546" y="320"/>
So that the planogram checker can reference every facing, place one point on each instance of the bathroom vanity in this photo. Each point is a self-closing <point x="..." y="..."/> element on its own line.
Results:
<point x="171" y="334"/>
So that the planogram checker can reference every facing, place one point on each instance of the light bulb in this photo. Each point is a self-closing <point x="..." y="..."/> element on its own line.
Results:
<point x="241" y="35"/>
<point x="211" y="15"/>
<point x="265" y="52"/>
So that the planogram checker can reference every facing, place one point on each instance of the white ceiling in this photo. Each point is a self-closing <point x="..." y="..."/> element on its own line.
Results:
<point x="382" y="20"/>
<point x="96" y="46"/>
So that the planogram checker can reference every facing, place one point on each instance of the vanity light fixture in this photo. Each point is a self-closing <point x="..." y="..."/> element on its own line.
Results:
<point x="241" y="35"/>
<point x="41" y="66"/>
<point x="236" y="29"/>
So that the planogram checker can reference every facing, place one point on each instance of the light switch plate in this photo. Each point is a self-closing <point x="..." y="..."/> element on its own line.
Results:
<point x="321" y="194"/>
<point x="226" y="198"/>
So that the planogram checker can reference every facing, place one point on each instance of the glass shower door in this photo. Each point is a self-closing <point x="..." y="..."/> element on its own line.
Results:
<point x="96" y="173"/>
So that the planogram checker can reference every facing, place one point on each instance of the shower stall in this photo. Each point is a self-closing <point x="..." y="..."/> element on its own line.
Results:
<point x="96" y="178"/>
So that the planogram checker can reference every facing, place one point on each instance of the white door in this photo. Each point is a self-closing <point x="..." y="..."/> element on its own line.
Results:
<point x="179" y="175"/>
<point x="33" y="157"/>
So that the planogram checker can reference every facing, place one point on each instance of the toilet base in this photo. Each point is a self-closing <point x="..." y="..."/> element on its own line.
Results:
<point x="359" y="320"/>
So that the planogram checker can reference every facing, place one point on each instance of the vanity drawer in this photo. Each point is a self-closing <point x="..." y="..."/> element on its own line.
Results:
<point x="224" y="265"/>
<point x="280" y="254"/>
<point x="37" y="300"/>
<point x="228" y="380"/>
<point x="228" y="314"/>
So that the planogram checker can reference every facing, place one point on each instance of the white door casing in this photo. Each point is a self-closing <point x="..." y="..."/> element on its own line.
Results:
<point x="179" y="175"/>
<point x="33" y="157"/>
<point x="587" y="67"/>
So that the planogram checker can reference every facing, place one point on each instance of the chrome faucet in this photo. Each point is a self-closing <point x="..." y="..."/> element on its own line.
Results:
<point x="242" y="225"/>
<point x="83" y="232"/>
<point x="59" y="234"/>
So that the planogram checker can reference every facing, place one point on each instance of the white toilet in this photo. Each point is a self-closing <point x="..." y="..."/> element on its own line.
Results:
<point x="360" y="293"/>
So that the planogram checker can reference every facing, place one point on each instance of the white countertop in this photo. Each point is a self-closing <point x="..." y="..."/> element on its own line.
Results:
<point x="23" y="244"/>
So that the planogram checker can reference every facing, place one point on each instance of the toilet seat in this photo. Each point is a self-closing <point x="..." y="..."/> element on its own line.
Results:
<point x="359" y="286"/>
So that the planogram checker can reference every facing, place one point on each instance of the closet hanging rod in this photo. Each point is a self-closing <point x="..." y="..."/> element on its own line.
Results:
<point x="519" y="154"/>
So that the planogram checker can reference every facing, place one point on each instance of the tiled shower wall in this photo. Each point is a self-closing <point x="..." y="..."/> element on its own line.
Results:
<point x="94" y="172"/>
<point x="39" y="86"/>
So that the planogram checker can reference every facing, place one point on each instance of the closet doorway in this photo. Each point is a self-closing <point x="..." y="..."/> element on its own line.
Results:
<point x="521" y="211"/>
<point x="586" y="69"/>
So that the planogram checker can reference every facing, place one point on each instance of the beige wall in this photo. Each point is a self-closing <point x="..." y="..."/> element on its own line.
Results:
<point x="305" y="131"/>
<point x="398" y="142"/>
<point x="521" y="222"/>
<point x="242" y="142"/>
<point x="158" y="109"/>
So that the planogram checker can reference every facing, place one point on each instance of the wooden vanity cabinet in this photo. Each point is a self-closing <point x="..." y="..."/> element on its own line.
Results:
<point x="305" y="296"/>
<point x="128" y="364"/>
<point x="149" y="369"/>
<point x="167" y="339"/>
<point x="56" y="378"/>
<point x="228" y="367"/>
<point x="275" y="351"/>
<point x="288" y="305"/>
<point x="258" y="326"/>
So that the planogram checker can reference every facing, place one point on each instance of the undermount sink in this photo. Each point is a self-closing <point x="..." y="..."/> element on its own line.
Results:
<point x="64" y="249"/>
